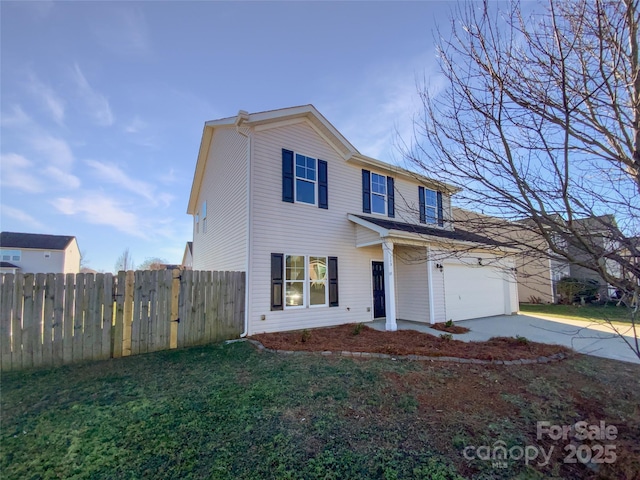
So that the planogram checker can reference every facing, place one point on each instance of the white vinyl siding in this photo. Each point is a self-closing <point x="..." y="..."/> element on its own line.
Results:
<point x="224" y="192"/>
<point x="407" y="207"/>
<point x="412" y="286"/>
<point x="306" y="230"/>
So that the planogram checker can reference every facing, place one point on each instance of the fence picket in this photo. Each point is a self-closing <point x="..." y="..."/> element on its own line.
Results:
<point x="118" y="326"/>
<point x="69" y="308"/>
<point x="107" y="318"/>
<point x="128" y="312"/>
<point x="47" y="324"/>
<point x="6" y="310"/>
<point x="16" y="322"/>
<point x="58" y="319"/>
<point x="78" y="318"/>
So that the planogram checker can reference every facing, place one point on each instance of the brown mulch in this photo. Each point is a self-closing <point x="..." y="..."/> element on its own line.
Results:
<point x="443" y="327"/>
<point x="360" y="338"/>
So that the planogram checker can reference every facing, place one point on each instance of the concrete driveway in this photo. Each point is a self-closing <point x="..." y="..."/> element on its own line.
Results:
<point x="584" y="337"/>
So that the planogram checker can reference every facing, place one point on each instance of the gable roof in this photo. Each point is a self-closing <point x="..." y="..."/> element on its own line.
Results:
<point x="423" y="230"/>
<point x="318" y="121"/>
<point x="34" y="240"/>
<point x="8" y="265"/>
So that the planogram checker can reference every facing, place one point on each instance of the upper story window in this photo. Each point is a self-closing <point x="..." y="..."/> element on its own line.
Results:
<point x="304" y="179"/>
<point x="378" y="194"/>
<point x="197" y="222"/>
<point x="204" y="216"/>
<point x="431" y="211"/>
<point x="11" y="255"/>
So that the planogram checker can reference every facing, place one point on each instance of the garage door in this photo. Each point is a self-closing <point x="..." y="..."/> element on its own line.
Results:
<point x="473" y="292"/>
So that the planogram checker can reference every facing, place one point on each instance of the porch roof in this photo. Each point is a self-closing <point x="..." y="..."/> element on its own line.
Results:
<point x="392" y="228"/>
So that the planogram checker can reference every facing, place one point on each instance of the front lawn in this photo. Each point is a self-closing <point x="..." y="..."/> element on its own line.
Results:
<point x="230" y="412"/>
<point x="599" y="313"/>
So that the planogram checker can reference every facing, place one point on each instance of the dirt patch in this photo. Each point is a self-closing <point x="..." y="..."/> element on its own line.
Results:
<point x="360" y="338"/>
<point x="443" y="327"/>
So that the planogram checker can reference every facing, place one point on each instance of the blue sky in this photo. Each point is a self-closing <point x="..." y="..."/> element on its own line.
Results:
<point x="103" y="103"/>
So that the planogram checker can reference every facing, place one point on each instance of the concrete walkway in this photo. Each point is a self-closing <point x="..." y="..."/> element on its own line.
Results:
<point x="583" y="337"/>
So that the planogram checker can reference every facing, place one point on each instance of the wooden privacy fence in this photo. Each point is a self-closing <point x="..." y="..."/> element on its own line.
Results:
<point x="54" y="319"/>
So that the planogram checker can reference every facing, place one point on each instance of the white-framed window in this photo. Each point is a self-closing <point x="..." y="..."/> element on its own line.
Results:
<point x="47" y="254"/>
<point x="197" y="222"/>
<point x="203" y="212"/>
<point x="11" y="255"/>
<point x="306" y="179"/>
<point x="431" y="206"/>
<point x="378" y="193"/>
<point x="306" y="279"/>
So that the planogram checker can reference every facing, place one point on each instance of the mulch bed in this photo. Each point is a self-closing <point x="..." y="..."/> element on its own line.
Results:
<point x="443" y="327"/>
<point x="360" y="338"/>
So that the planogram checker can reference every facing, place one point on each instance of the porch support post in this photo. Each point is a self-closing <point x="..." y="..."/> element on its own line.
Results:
<point x="389" y="286"/>
<point x="432" y="309"/>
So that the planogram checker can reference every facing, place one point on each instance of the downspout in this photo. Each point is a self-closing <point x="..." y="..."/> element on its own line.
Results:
<point x="242" y="116"/>
<point x="432" y="310"/>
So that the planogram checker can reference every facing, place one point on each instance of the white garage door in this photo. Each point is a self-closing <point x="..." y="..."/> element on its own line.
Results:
<point x="473" y="292"/>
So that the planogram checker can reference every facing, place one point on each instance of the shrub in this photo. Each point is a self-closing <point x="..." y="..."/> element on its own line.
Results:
<point x="357" y="328"/>
<point x="446" y="336"/>
<point x="306" y="335"/>
<point x="578" y="290"/>
<point x="449" y="323"/>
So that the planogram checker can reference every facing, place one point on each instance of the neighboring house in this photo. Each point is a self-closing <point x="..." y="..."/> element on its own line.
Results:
<point x="601" y="232"/>
<point x="187" y="257"/>
<point x="36" y="253"/>
<point x="329" y="236"/>
<point x="538" y="268"/>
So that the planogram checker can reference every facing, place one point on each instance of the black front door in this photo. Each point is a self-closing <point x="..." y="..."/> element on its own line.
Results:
<point x="378" y="290"/>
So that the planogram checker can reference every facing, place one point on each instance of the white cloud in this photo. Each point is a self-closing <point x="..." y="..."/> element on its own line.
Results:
<point x="98" y="209"/>
<point x="16" y="118"/>
<point x="21" y="216"/>
<point x="56" y="150"/>
<point x="113" y="174"/>
<point x="383" y="108"/>
<point x="135" y="125"/>
<point x="18" y="172"/>
<point x="96" y="103"/>
<point x="47" y="97"/>
<point x="62" y="179"/>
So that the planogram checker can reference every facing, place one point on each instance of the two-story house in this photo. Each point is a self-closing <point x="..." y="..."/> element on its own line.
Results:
<point x="38" y="253"/>
<point x="329" y="236"/>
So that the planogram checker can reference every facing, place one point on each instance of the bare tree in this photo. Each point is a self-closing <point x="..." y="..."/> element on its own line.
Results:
<point x="125" y="261"/>
<point x="153" y="263"/>
<point x="539" y="123"/>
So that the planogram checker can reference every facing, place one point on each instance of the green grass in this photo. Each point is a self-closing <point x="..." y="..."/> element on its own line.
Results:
<point x="600" y="313"/>
<point x="229" y="412"/>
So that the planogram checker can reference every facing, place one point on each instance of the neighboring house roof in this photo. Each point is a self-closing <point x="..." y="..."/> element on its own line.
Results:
<point x="326" y="129"/>
<point x="34" y="240"/>
<point x="457" y="235"/>
<point x="190" y="247"/>
<point x="8" y="265"/>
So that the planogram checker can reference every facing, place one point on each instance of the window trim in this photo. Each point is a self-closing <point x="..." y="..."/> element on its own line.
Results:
<point x="428" y="206"/>
<point x="384" y="196"/>
<point x="306" y="282"/>
<point x="302" y="179"/>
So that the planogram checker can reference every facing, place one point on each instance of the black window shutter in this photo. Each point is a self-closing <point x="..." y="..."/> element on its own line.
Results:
<point x="333" y="281"/>
<point x="287" y="176"/>
<point x="391" y="204"/>
<point x="366" y="191"/>
<point x="440" y="215"/>
<point x="323" y="185"/>
<point x="277" y="280"/>
<point x="421" y="200"/>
